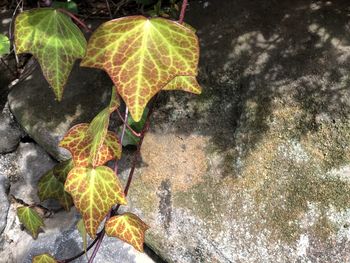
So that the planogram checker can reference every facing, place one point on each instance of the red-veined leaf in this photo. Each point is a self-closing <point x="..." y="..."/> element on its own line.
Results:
<point x="92" y="144"/>
<point x="142" y="55"/>
<point x="94" y="192"/>
<point x="129" y="228"/>
<point x="43" y="258"/>
<point x="185" y="83"/>
<point x="79" y="141"/>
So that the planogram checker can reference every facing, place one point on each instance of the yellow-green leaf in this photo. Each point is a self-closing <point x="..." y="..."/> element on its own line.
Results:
<point x="98" y="128"/>
<point x="30" y="219"/>
<point x="4" y="45"/>
<point x="80" y="142"/>
<point x="49" y="187"/>
<point x="142" y="55"/>
<point x="185" y="83"/>
<point x="129" y="228"/>
<point x="94" y="192"/>
<point x="54" y="40"/>
<point x="61" y="170"/>
<point x="82" y="232"/>
<point x="43" y="258"/>
<point x="92" y="144"/>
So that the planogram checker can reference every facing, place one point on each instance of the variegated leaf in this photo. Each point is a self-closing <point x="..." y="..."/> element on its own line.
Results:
<point x="129" y="228"/>
<point x="142" y="55"/>
<point x="54" y="40"/>
<point x="30" y="219"/>
<point x="49" y="187"/>
<point x="94" y="192"/>
<point x="44" y="258"/>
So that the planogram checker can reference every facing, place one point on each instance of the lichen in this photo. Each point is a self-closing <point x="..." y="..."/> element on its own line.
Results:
<point x="282" y="164"/>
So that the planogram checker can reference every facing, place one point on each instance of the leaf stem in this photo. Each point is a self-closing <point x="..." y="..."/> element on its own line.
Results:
<point x="97" y="247"/>
<point x="75" y="19"/>
<point x="124" y="120"/>
<point x="183" y="11"/>
<point x="137" y="153"/>
<point x="83" y="252"/>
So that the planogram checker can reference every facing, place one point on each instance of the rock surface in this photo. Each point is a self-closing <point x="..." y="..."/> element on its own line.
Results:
<point x="4" y="202"/>
<point x="257" y="168"/>
<point x="45" y="119"/>
<point x="31" y="162"/>
<point x="19" y="174"/>
<point x="61" y="239"/>
<point x="10" y="132"/>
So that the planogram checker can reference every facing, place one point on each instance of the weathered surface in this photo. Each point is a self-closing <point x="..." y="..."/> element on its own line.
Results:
<point x="61" y="239"/>
<point x="45" y="119"/>
<point x="19" y="175"/>
<point x="30" y="163"/>
<point x="10" y="132"/>
<point x="4" y="202"/>
<point x="257" y="168"/>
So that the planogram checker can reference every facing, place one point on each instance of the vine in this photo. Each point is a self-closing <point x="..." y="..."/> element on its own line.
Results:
<point x="142" y="56"/>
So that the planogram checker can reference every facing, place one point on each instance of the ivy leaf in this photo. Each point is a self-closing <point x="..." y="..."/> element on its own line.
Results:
<point x="82" y="232"/>
<point x="129" y="137"/>
<point x="61" y="170"/>
<point x="54" y="40"/>
<point x="185" y="83"/>
<point x="98" y="128"/>
<point x="30" y="219"/>
<point x="44" y="258"/>
<point x="92" y="144"/>
<point x="49" y="187"/>
<point x="142" y="55"/>
<point x="129" y="228"/>
<point x="80" y="142"/>
<point x="4" y="45"/>
<point x="94" y="191"/>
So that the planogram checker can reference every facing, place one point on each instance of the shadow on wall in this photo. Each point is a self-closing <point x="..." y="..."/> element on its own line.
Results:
<point x="260" y="52"/>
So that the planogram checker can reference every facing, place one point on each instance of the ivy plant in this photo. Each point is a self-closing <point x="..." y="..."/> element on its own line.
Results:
<point x="142" y="56"/>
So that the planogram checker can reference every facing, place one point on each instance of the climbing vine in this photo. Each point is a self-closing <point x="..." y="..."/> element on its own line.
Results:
<point x="142" y="56"/>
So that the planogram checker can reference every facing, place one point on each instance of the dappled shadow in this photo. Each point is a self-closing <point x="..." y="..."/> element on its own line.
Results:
<point x="260" y="53"/>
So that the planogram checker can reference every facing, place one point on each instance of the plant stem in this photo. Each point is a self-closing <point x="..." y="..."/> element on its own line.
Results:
<point x="137" y="153"/>
<point x="10" y="32"/>
<point x="83" y="252"/>
<point x="183" y="11"/>
<point x="97" y="247"/>
<point x="121" y="136"/>
<point x="125" y="121"/>
<point x="109" y="9"/>
<point x="75" y="19"/>
<point x="131" y="173"/>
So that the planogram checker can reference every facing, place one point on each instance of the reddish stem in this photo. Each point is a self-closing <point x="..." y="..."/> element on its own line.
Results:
<point x="83" y="252"/>
<point x="183" y="11"/>
<point x="124" y="120"/>
<point x="75" y="19"/>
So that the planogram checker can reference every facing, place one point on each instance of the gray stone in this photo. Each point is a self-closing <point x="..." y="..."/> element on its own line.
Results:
<point x="4" y="202"/>
<point x="45" y="119"/>
<point x="61" y="239"/>
<point x="256" y="169"/>
<point x="30" y="163"/>
<point x="10" y="132"/>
